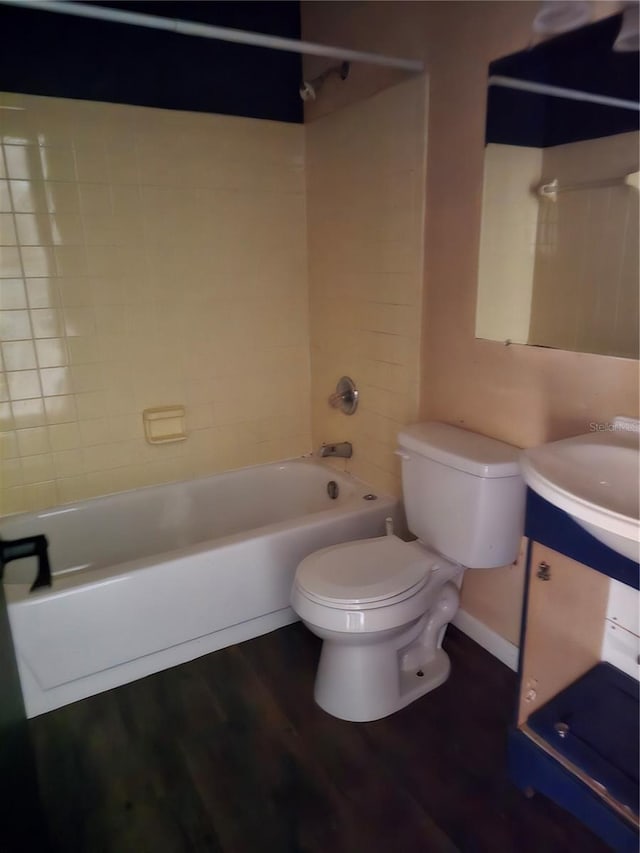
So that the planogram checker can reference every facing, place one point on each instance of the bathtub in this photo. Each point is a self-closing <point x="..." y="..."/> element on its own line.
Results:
<point x="151" y="578"/>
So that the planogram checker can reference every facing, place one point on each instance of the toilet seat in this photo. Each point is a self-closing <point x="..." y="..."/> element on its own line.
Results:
<point x="365" y="574"/>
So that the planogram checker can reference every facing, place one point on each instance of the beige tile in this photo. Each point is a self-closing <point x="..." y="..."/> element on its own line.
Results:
<point x="19" y="355"/>
<point x="120" y="400"/>
<point x="126" y="200"/>
<point x="6" y="205"/>
<point x="58" y="164"/>
<point x="62" y="197"/>
<point x="23" y="384"/>
<point x="95" y="432"/>
<point x="12" y="500"/>
<point x="392" y="348"/>
<point x="86" y="377"/>
<point x="79" y="322"/>
<point x="60" y="410"/>
<point x="6" y="416"/>
<point x="38" y="261"/>
<point x="28" y="413"/>
<point x="91" y="405"/>
<point x="4" y="388"/>
<point x="7" y="230"/>
<point x="56" y="381"/>
<point x="122" y="162"/>
<point x="39" y="496"/>
<point x="95" y="198"/>
<point x="64" y="436"/>
<point x="71" y="260"/>
<point x="125" y="427"/>
<point x="14" y="325"/>
<point x="46" y="322"/>
<point x="32" y="441"/>
<point x="104" y="261"/>
<point x="37" y="469"/>
<point x="72" y="489"/>
<point x="27" y="196"/>
<point x="110" y="319"/>
<point x="22" y="161"/>
<point x="16" y="128"/>
<point x="10" y="266"/>
<point x="41" y="292"/>
<point x="91" y="163"/>
<point x="51" y="352"/>
<point x="67" y="229"/>
<point x="11" y="470"/>
<point x="82" y="350"/>
<point x="68" y="463"/>
<point x="12" y="294"/>
<point x="200" y="416"/>
<point x="32" y="229"/>
<point x="9" y="445"/>
<point x="98" y="457"/>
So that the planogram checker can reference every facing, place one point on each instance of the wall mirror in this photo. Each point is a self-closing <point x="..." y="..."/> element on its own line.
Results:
<point x="558" y="262"/>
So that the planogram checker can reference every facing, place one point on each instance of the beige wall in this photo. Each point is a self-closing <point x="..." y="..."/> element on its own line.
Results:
<point x="147" y="257"/>
<point x="365" y="168"/>
<point x="520" y="394"/>
<point x="585" y="294"/>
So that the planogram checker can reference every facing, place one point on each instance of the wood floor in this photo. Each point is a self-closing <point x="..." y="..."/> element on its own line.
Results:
<point x="229" y="753"/>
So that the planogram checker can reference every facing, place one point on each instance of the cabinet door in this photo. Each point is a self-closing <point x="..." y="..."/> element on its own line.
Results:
<point x="565" y="618"/>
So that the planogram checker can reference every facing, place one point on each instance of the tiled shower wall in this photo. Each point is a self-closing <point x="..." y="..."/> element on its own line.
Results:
<point x="365" y="197"/>
<point x="147" y="257"/>
<point x="507" y="241"/>
<point x="585" y="294"/>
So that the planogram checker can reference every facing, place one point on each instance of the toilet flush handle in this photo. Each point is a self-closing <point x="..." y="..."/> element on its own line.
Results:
<point x="402" y="455"/>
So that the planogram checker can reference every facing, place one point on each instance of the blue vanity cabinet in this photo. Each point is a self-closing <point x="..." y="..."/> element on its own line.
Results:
<point x="575" y="737"/>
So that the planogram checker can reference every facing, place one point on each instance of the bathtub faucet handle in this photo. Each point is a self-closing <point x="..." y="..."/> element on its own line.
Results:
<point x="30" y="546"/>
<point x="345" y="396"/>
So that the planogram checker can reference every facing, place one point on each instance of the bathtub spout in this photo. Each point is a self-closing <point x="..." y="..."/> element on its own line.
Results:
<point x="341" y="448"/>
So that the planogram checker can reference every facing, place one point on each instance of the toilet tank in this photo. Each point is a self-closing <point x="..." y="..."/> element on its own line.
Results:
<point x="463" y="493"/>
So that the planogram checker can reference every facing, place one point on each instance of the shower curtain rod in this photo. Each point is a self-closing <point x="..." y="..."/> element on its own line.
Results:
<point x="551" y="189"/>
<point x="193" y="28"/>
<point x="560" y="92"/>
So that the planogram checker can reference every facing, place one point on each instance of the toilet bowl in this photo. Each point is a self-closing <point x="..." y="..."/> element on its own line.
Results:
<point x="381" y="606"/>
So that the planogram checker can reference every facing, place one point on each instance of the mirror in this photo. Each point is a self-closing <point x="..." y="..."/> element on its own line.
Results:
<point x="558" y="262"/>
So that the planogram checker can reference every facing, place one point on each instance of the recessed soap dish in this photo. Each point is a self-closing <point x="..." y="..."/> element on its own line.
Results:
<point x="164" y="424"/>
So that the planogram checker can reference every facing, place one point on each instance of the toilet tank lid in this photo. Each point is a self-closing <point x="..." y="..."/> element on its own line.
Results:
<point x="462" y="449"/>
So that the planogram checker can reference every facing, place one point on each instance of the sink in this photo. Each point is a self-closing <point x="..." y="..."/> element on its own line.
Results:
<point x="594" y="478"/>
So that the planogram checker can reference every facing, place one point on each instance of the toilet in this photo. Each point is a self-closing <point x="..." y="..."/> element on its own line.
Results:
<point x="381" y="606"/>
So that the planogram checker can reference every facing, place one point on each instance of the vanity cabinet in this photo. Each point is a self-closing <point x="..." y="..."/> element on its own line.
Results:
<point x="575" y="737"/>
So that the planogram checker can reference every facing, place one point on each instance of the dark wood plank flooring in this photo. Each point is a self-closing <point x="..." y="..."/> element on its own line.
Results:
<point x="230" y="753"/>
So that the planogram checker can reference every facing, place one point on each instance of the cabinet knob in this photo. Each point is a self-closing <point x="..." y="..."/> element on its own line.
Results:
<point x="561" y="729"/>
<point x="544" y="571"/>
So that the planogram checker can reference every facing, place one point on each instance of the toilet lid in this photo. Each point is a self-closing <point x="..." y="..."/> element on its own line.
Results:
<point x="363" y="571"/>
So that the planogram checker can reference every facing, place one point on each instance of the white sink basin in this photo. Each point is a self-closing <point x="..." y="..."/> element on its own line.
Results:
<point x="595" y="478"/>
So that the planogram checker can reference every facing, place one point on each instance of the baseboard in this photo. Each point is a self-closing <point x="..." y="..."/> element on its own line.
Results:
<point x="495" y="644"/>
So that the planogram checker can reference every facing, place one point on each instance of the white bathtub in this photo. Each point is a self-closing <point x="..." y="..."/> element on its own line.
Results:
<point x="148" y="579"/>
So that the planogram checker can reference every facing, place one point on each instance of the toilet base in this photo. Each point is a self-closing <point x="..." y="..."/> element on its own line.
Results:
<point x="354" y="684"/>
